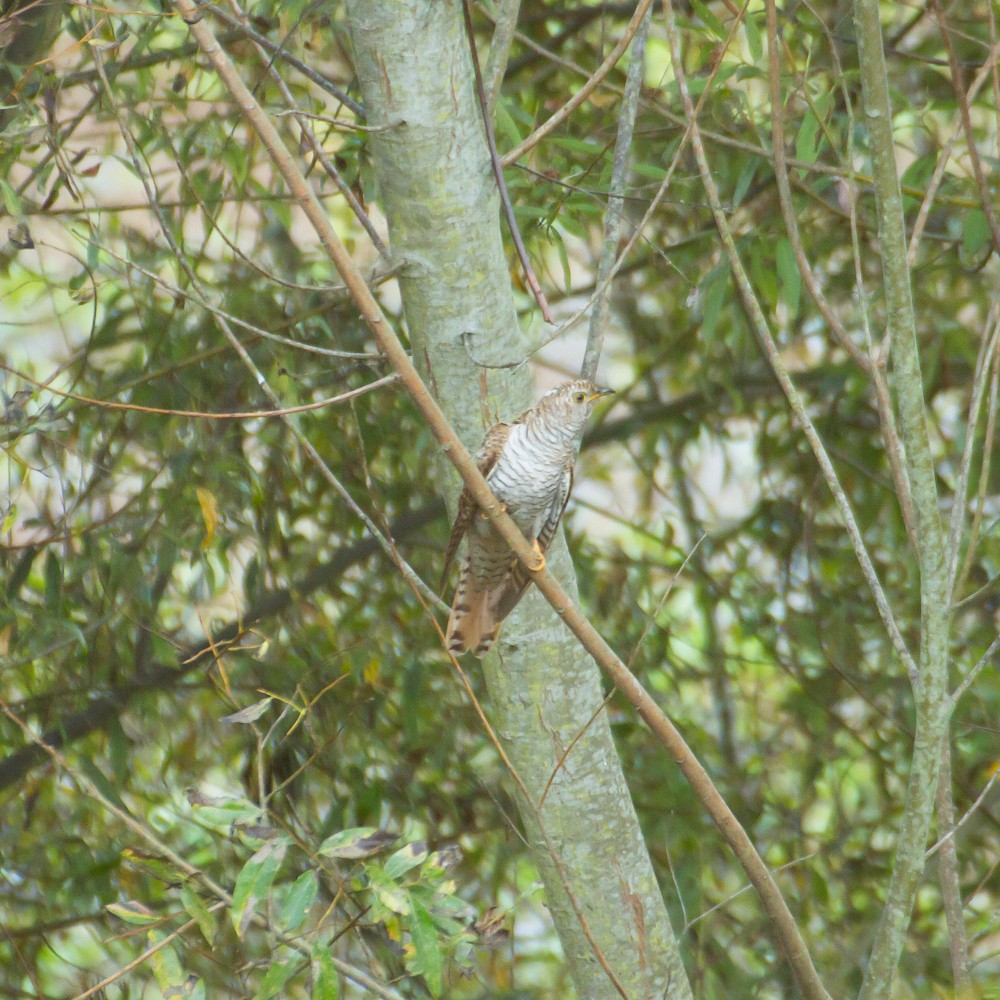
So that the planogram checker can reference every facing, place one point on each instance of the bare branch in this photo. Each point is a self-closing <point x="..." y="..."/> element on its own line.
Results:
<point x="503" y="34"/>
<point x="614" y="215"/>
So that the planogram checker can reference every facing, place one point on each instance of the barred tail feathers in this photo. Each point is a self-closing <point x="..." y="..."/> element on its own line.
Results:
<point x="470" y="624"/>
<point x="477" y="612"/>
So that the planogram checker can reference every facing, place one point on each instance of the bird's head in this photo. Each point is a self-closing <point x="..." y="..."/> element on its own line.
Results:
<point x="571" y="403"/>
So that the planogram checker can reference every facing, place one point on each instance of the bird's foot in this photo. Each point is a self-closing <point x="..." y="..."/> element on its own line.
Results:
<point x="541" y="557"/>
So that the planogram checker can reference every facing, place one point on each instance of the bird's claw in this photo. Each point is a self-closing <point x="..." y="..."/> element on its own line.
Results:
<point x="541" y="557"/>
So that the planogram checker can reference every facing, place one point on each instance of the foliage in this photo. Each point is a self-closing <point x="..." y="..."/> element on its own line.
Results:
<point x="196" y="619"/>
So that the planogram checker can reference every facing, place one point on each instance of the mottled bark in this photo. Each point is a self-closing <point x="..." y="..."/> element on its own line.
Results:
<point x="442" y="207"/>
<point x="932" y="683"/>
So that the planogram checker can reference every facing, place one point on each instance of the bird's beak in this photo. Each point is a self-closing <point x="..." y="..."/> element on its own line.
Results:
<point x="602" y="392"/>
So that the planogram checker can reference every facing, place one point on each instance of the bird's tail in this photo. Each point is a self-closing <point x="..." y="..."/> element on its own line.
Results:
<point x="477" y="612"/>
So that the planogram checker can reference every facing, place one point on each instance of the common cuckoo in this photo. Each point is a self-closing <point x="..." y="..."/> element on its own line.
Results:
<point x="529" y="466"/>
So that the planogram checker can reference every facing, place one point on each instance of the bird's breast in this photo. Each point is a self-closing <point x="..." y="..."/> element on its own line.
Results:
<point x="528" y="477"/>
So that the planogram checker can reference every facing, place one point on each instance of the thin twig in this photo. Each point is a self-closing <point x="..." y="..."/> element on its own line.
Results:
<point x="508" y="209"/>
<point x="985" y="197"/>
<point x="595" y="79"/>
<point x="162" y="848"/>
<point x="985" y="71"/>
<point x="504" y="26"/>
<point x="279" y="50"/>
<point x="614" y="214"/>
<point x="298" y="345"/>
<point x="197" y="414"/>
<point x="967" y="680"/>
<point x="688" y="924"/>
<point x="985" y="466"/>
<point x="310" y="137"/>
<point x="781" y="373"/>
<point x="307" y="446"/>
<point x="601" y="287"/>
<point x="968" y="814"/>
<point x="148" y="953"/>
<point x="984" y="366"/>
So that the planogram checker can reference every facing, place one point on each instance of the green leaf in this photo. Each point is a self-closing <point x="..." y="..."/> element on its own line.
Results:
<point x="388" y="893"/>
<point x="707" y="18"/>
<point x="53" y="582"/>
<point x="713" y="291"/>
<point x="563" y="259"/>
<point x="222" y="815"/>
<point x="193" y="988"/>
<point x="975" y="232"/>
<point x="743" y="182"/>
<point x="297" y="903"/>
<point x="92" y="771"/>
<point x="8" y="522"/>
<point x="806" y="147"/>
<point x="788" y="274"/>
<point x="428" y="960"/>
<point x="154" y="865"/>
<point x="506" y="126"/>
<point x="254" y="882"/>
<point x="133" y="912"/>
<point x="763" y="269"/>
<point x="166" y="966"/>
<point x="276" y="977"/>
<point x="197" y="910"/>
<point x="326" y="986"/>
<point x="357" y="842"/>
<point x="93" y="249"/>
<point x="118" y="746"/>
<point x="406" y="858"/>
<point x="11" y="201"/>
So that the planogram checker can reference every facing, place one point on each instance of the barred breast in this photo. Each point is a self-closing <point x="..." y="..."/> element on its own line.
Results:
<point x="529" y="473"/>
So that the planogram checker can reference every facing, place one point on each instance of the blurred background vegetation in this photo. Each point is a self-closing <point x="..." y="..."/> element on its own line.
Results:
<point x="213" y="645"/>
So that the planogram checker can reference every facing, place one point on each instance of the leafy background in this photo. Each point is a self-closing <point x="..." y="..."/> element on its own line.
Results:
<point x="247" y="680"/>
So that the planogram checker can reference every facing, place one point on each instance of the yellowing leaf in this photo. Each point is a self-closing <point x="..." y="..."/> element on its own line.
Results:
<point x="209" y="514"/>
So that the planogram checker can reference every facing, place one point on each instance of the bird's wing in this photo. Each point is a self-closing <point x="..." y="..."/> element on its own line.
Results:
<point x="551" y="524"/>
<point x="486" y="459"/>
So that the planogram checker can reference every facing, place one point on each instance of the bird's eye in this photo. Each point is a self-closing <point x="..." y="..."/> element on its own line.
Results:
<point x="580" y="396"/>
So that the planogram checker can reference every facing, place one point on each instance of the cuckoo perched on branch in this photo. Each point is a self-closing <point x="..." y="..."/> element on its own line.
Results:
<point x="529" y="466"/>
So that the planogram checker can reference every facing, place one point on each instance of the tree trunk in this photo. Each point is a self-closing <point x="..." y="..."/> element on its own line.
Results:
<point x="439" y="195"/>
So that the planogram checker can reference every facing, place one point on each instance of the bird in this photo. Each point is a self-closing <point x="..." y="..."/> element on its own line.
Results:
<point x="528" y="464"/>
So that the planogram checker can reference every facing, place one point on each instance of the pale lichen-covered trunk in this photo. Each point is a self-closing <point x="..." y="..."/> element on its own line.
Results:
<point x="439" y="195"/>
